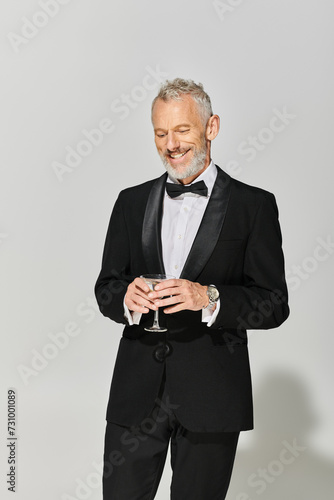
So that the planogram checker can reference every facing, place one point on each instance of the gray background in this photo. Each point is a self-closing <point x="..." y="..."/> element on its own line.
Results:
<point x="253" y="57"/>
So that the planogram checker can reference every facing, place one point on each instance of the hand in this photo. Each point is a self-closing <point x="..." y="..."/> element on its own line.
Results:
<point x="136" y="297"/>
<point x="180" y="294"/>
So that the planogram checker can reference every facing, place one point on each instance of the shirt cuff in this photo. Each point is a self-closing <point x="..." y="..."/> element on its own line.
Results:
<point x="133" y="318"/>
<point x="209" y="316"/>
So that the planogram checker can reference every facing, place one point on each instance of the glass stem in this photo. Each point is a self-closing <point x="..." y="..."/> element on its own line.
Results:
<point x="156" y="319"/>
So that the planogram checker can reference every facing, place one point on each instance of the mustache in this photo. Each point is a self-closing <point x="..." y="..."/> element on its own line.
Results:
<point x="175" y="151"/>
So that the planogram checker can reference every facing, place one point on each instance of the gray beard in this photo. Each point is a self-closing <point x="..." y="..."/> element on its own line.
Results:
<point x="195" y="166"/>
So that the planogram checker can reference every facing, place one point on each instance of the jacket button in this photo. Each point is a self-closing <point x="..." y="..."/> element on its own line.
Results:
<point x="161" y="352"/>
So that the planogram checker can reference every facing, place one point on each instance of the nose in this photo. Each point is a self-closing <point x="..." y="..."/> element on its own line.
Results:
<point x="172" y="141"/>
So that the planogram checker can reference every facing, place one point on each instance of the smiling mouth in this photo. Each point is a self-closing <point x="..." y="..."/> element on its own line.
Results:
<point x="176" y="156"/>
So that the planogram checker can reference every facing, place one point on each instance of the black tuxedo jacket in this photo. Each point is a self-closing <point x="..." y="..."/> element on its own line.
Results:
<point x="238" y="249"/>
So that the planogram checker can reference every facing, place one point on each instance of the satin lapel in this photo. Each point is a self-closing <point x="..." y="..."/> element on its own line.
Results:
<point x="151" y="233"/>
<point x="210" y="227"/>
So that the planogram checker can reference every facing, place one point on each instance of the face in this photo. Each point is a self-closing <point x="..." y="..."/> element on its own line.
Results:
<point x="180" y="138"/>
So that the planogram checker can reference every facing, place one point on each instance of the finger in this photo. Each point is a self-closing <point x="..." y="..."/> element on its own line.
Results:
<point x="176" y="308"/>
<point x="138" y="296"/>
<point x="137" y="308"/>
<point x="141" y="284"/>
<point x="142" y="308"/>
<point x="144" y="302"/>
<point x="168" y="284"/>
<point x="175" y="299"/>
<point x="158" y="294"/>
<point x="134" y="290"/>
<point x="135" y="299"/>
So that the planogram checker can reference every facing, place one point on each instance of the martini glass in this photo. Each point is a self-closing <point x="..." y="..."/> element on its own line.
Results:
<point x="152" y="280"/>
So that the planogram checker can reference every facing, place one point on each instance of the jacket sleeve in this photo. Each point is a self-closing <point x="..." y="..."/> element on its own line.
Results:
<point x="261" y="302"/>
<point x="113" y="280"/>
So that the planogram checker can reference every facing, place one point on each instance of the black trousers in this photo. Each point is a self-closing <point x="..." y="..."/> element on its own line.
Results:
<point x="134" y="458"/>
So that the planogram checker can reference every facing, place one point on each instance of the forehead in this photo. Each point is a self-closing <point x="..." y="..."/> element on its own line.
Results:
<point x="173" y="112"/>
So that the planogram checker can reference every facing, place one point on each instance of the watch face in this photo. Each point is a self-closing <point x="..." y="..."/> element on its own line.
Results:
<point x="213" y="293"/>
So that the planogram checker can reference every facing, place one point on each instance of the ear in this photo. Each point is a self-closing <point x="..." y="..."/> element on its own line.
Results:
<point x="212" y="127"/>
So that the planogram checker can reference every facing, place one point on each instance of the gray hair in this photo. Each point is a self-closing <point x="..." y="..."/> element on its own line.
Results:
<point x="177" y="88"/>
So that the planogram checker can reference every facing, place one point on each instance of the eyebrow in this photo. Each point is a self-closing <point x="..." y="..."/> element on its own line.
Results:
<point x="178" y="126"/>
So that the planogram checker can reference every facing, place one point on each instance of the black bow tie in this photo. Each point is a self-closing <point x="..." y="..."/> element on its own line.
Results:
<point x="175" y="190"/>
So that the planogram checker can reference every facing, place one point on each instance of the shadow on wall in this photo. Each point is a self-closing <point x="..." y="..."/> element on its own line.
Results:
<point x="279" y="463"/>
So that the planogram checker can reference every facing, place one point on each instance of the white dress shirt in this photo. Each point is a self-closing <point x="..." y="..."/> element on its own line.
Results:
<point x="181" y="219"/>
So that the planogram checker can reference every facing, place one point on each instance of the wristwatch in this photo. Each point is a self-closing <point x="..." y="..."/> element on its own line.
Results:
<point x="213" y="295"/>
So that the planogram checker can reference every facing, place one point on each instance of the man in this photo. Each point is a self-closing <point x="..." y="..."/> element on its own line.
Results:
<point x="190" y="385"/>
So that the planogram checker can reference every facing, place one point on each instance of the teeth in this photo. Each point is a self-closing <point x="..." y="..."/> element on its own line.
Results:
<point x="178" y="155"/>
